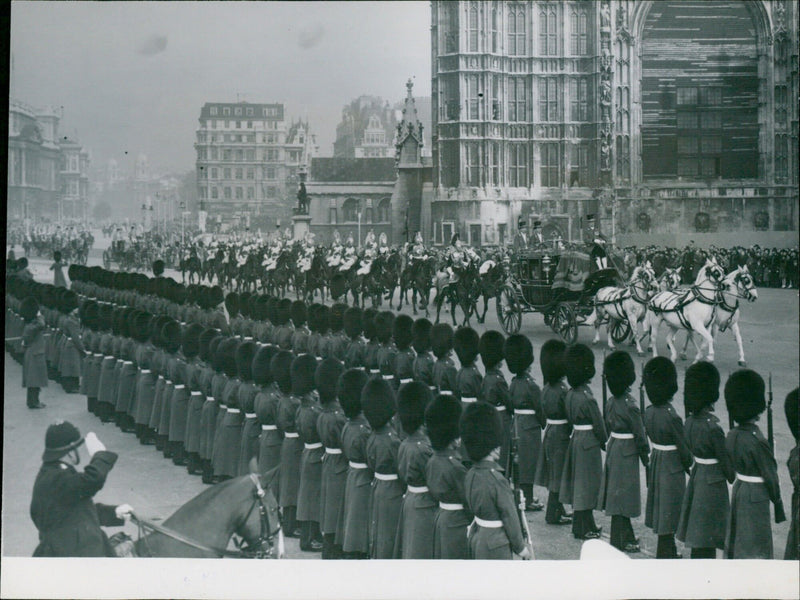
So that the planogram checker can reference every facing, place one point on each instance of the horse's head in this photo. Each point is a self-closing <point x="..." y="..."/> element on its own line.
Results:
<point x="260" y="525"/>
<point x="744" y="283"/>
<point x="711" y="271"/>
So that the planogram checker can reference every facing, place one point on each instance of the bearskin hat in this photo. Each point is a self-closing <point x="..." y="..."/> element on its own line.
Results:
<point x="378" y="402"/>
<point x="191" y="340"/>
<point x="481" y="430"/>
<point x="441" y="339"/>
<point x="244" y="304"/>
<point x="179" y="294"/>
<point x="313" y="317"/>
<point x="28" y="309"/>
<point x="262" y="374"/>
<point x="465" y="343"/>
<point x="700" y="386"/>
<point x="69" y="301"/>
<point x="441" y="421"/>
<point x="326" y="379"/>
<point x="660" y="380"/>
<point x="22" y="263"/>
<point x="790" y="407"/>
<point x="348" y="390"/>
<point x="232" y="303"/>
<point x="619" y="372"/>
<point x="284" y="311"/>
<point x="298" y="313"/>
<point x="323" y="319"/>
<point x="551" y="359"/>
<point x="262" y="313"/>
<point x="303" y="370"/>
<point x="421" y="335"/>
<point x="244" y="360"/>
<point x="253" y="307"/>
<point x="217" y="358"/>
<point x="215" y="296"/>
<point x="228" y="349"/>
<point x="204" y="345"/>
<point x="143" y="326"/>
<point x="158" y="268"/>
<point x="384" y="321"/>
<point x="491" y="348"/>
<point x="744" y="395"/>
<point x="352" y="322"/>
<point x="272" y="309"/>
<point x="412" y="400"/>
<point x="518" y="352"/>
<point x="579" y="364"/>
<point x="171" y="336"/>
<point x="368" y="323"/>
<point x="91" y="313"/>
<point x="336" y="316"/>
<point x="280" y="366"/>
<point x="401" y="331"/>
<point x="116" y="318"/>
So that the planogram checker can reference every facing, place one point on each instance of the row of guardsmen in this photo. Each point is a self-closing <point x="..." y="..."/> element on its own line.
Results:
<point x="385" y="448"/>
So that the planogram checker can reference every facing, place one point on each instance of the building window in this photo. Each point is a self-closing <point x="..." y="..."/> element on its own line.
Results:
<point x="450" y="26"/>
<point x="239" y="193"/>
<point x="226" y="111"/>
<point x="517" y="92"/>
<point x="687" y="167"/>
<point x="350" y="210"/>
<point x="578" y="165"/>
<point x="385" y="210"/>
<point x="578" y="35"/>
<point x="623" y="157"/>
<point x="494" y="29"/>
<point x="548" y="99"/>
<point x="251" y="193"/>
<point x="494" y="163"/>
<point x="472" y="97"/>
<point x="449" y="165"/>
<point x="227" y="193"/>
<point x="270" y="173"/>
<point x="202" y="192"/>
<point x="239" y="174"/>
<point x="472" y="150"/>
<point x="516" y="30"/>
<point x="473" y="27"/>
<point x="518" y="165"/>
<point x="687" y="120"/>
<point x="271" y="191"/>
<point x="687" y="95"/>
<point x="549" y="165"/>
<point x="226" y="173"/>
<point x="447" y="232"/>
<point x="239" y="155"/>
<point x="214" y="154"/>
<point x="251" y="155"/>
<point x="272" y="155"/>
<point x="578" y="99"/>
<point x="249" y="124"/>
<point x="213" y="110"/>
<point x="251" y="173"/>
<point x="781" y="157"/>
<point x="548" y="32"/>
<point x="448" y="92"/>
<point x="214" y="193"/>
<point x="213" y="172"/>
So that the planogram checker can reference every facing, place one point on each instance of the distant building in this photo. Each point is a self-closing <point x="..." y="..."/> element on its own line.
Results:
<point x="366" y="129"/>
<point x="248" y="156"/>
<point x="74" y="178"/>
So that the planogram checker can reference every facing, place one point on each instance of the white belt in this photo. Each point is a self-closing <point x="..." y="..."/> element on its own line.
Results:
<point x="161" y="377"/>
<point x="388" y="376"/>
<point x="749" y="478"/>
<point x="355" y="465"/>
<point x="386" y="476"/>
<point x="313" y="446"/>
<point x="583" y="427"/>
<point x="269" y="428"/>
<point x="234" y="411"/>
<point x="98" y="355"/>
<point x="621" y="436"/>
<point x="127" y="362"/>
<point x="432" y="388"/>
<point x="291" y="434"/>
<point x="706" y="461"/>
<point x="449" y="506"/>
<point x="145" y="371"/>
<point x="250" y="415"/>
<point x="223" y="406"/>
<point x="500" y="408"/>
<point x="333" y="450"/>
<point x="469" y="399"/>
<point x="180" y="386"/>
<point x="195" y="393"/>
<point x="168" y="381"/>
<point x="489" y="524"/>
<point x="446" y="393"/>
<point x="556" y="421"/>
<point x="248" y="339"/>
<point x="109" y="357"/>
<point x="422" y="489"/>
<point x="668" y="448"/>
<point x="374" y="371"/>
<point x="406" y="379"/>
<point x="524" y="411"/>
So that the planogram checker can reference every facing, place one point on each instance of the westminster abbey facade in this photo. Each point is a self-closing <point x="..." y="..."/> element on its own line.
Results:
<point x="669" y="120"/>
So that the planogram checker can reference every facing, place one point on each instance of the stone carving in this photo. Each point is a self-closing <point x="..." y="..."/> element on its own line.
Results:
<point x="622" y="17"/>
<point x="605" y="16"/>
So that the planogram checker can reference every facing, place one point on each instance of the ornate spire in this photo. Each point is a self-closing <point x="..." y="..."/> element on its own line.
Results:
<point x="410" y="125"/>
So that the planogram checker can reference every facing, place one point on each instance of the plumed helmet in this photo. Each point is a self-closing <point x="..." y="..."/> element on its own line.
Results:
<point x="28" y="309"/>
<point x="244" y="360"/>
<point x="352" y="322"/>
<point x="441" y="339"/>
<point x="579" y="364"/>
<point x="368" y="323"/>
<point x="744" y="395"/>
<point x="412" y="400"/>
<point x="700" y="386"/>
<point x="171" y="336"/>
<point x="262" y="373"/>
<point x="421" y="335"/>
<point x="465" y="343"/>
<point x="401" y="331"/>
<point x="232" y="303"/>
<point x="281" y="366"/>
<point x="284" y="311"/>
<point x="384" y="321"/>
<point x="299" y="313"/>
<point x="441" y="421"/>
<point x="191" y="340"/>
<point x="481" y="430"/>
<point x="378" y="402"/>
<point x="303" y="369"/>
<point x="491" y="348"/>
<point x="326" y="379"/>
<point x="660" y="380"/>
<point x="518" y="352"/>
<point x="336" y="316"/>
<point x="790" y="407"/>
<point x="348" y="390"/>
<point x="619" y="372"/>
<point x="61" y="438"/>
<point x="551" y="360"/>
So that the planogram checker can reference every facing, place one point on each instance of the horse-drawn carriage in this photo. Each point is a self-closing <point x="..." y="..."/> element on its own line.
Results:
<point x="559" y="284"/>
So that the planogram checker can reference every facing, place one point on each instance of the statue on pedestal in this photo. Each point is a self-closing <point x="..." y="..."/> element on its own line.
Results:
<point x="302" y="200"/>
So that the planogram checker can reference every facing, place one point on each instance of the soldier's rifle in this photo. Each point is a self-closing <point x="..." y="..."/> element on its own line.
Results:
<point x="770" y="430"/>
<point x="605" y="387"/>
<point x="512" y="471"/>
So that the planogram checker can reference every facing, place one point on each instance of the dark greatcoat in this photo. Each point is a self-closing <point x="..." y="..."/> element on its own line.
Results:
<point x="228" y="442"/>
<point x="71" y="356"/>
<point x="355" y="516"/>
<point x="308" y="490"/>
<point x="444" y="376"/>
<point x="64" y="513"/>
<point x="583" y="467"/>
<point x="704" y="513"/>
<point x="355" y="354"/>
<point x="445" y="474"/>
<point x="91" y="366"/>
<point x="34" y="366"/>
<point x="417" y="513"/>
<point x="371" y="357"/>
<point x="666" y="478"/>
<point x="145" y="387"/>
<point x="525" y="395"/>
<point x="386" y="355"/>
<point x="271" y="439"/>
<point x="468" y="385"/>
<point x="251" y="430"/>
<point x="208" y="416"/>
<point x="300" y="339"/>
<point x="387" y="496"/>
<point x="179" y="404"/>
<point x="197" y="399"/>
<point x="494" y="390"/>
<point x="334" y="468"/>
<point x="291" y="449"/>
<point x="404" y="366"/>
<point x="793" y="539"/>
<point x="620" y="489"/>
<point x="423" y="369"/>
<point x="556" y="437"/>
<point x="105" y="387"/>
<point x="171" y="375"/>
<point x="159" y="369"/>
<point x="126" y="387"/>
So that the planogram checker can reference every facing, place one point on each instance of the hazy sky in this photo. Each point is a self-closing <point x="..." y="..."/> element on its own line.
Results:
<point x="132" y="77"/>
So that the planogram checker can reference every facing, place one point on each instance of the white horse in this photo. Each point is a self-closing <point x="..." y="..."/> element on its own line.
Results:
<point x="692" y="309"/>
<point x="737" y="285"/>
<point x="625" y="304"/>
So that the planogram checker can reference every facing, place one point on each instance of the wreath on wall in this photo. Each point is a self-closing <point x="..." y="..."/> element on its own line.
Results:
<point x="643" y="221"/>
<point x="702" y="222"/>
<point x="761" y="220"/>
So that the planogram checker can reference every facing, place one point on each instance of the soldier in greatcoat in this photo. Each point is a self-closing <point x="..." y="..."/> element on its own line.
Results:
<point x="128" y="372"/>
<point x="378" y="403"/>
<point x="248" y="447"/>
<point x="444" y="369"/>
<point x="301" y="333"/>
<point x="353" y="524"/>
<point x="105" y="409"/>
<point x="228" y="440"/>
<point x="199" y="385"/>
<point x="526" y="399"/>
<point x="468" y="379"/>
<point x="583" y="467"/>
<point x="423" y="361"/>
<point x="445" y="474"/>
<point x="670" y="458"/>
<point x="334" y="463"/>
<point x="415" y="528"/>
<point x="34" y="367"/>
<point x="496" y="533"/>
<point x="172" y="338"/>
<point x="266" y="406"/>
<point x="357" y="345"/>
<point x="384" y="322"/>
<point x="620" y="490"/>
<point x="91" y="373"/>
<point x="371" y="335"/>
<point x="313" y="328"/>
<point x="213" y="383"/>
<point x="494" y="388"/>
<point x="338" y="340"/>
<point x="404" y="359"/>
<point x="147" y="379"/>
<point x="757" y="484"/>
<point x="72" y="352"/>
<point x="291" y="447"/>
<point x="706" y="504"/>
<point x="791" y="405"/>
<point x="284" y="331"/>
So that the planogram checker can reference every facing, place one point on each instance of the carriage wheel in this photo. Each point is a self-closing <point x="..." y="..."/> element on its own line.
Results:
<point x="509" y="311"/>
<point x="565" y="324"/>
<point x="619" y="330"/>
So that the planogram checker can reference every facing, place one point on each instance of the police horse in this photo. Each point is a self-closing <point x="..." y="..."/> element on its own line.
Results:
<point x="692" y="309"/>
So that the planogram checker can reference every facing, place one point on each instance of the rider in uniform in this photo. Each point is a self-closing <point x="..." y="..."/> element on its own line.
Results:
<point x="598" y="243"/>
<point x="369" y="254"/>
<point x="337" y="250"/>
<point x="350" y="255"/>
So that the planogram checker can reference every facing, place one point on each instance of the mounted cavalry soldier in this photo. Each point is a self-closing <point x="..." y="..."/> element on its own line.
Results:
<point x="459" y="258"/>
<point x="337" y="250"/>
<point x="350" y="255"/>
<point x="383" y="244"/>
<point x="307" y="253"/>
<point x="370" y="254"/>
<point x="418" y="250"/>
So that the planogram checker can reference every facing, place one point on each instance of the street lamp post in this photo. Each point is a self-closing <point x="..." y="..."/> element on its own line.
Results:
<point x="359" y="227"/>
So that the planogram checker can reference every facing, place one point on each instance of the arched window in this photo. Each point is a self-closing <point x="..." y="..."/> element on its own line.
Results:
<point x="385" y="210"/>
<point x="516" y="30"/>
<point x="350" y="210"/>
<point x="473" y="27"/>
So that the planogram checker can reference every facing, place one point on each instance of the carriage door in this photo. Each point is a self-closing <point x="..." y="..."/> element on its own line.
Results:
<point x="475" y="235"/>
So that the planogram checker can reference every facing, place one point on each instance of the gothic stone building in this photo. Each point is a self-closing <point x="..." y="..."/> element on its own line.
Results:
<point x="670" y="120"/>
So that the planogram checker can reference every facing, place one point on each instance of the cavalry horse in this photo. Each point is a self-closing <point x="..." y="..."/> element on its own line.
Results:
<point x="625" y="304"/>
<point x="737" y="285"/>
<point x="417" y="276"/>
<point x="492" y="274"/>
<point x="691" y="309"/>
<point x="382" y="279"/>
<point x="462" y="292"/>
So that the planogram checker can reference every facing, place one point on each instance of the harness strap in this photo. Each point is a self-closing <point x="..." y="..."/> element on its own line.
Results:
<point x="183" y="539"/>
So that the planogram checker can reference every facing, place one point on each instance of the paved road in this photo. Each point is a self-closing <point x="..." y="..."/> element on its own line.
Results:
<point x="155" y="487"/>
